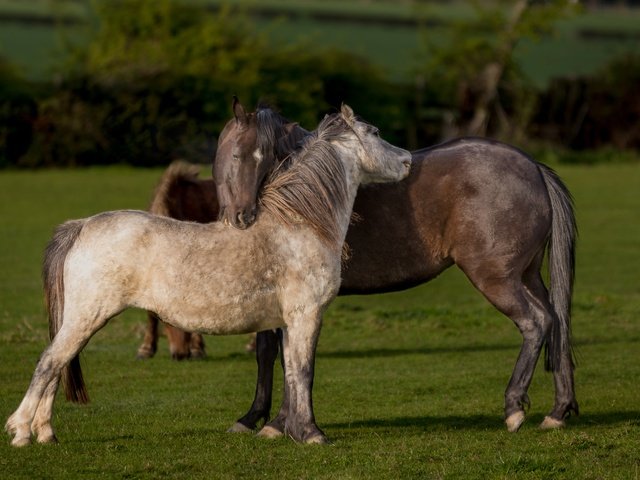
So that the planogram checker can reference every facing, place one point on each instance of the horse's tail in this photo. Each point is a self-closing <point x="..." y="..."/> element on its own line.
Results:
<point x="561" y="251"/>
<point x="175" y="173"/>
<point x="53" y="275"/>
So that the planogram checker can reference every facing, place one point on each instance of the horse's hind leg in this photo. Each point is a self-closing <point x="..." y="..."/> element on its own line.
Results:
<point x="42" y="388"/>
<point x="530" y="312"/>
<point x="275" y="427"/>
<point x="266" y="353"/>
<point x="19" y="423"/>
<point x="149" y="344"/>
<point x="179" y="342"/>
<point x="35" y="410"/>
<point x="565" y="399"/>
<point x="196" y="346"/>
<point x="41" y="425"/>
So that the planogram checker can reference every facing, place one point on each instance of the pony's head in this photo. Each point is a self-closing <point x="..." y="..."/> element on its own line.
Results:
<point x="248" y="148"/>
<point x="377" y="159"/>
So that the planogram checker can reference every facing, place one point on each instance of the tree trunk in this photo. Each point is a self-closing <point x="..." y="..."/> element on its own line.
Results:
<point x="489" y="79"/>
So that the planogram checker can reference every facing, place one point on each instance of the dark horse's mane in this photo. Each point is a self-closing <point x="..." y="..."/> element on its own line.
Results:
<point x="277" y="137"/>
<point x="311" y="185"/>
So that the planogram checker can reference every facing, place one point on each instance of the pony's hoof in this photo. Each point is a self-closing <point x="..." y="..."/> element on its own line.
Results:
<point x="515" y="421"/>
<point x="550" y="423"/>
<point x="48" y="439"/>
<point x="197" y="354"/>
<point x="317" y="440"/>
<point x="269" y="432"/>
<point x="239" y="428"/>
<point x="21" y="441"/>
<point x="144" y="354"/>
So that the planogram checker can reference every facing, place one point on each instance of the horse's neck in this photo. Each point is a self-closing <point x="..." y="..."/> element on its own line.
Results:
<point x="354" y="179"/>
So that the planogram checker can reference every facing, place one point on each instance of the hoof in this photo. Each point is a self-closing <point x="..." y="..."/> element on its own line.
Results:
<point x="550" y="423"/>
<point x="515" y="421"/>
<point x="48" y="439"/>
<point x="144" y="354"/>
<point x="269" y="432"/>
<point x="239" y="428"/>
<point x="21" y="441"/>
<point x="317" y="440"/>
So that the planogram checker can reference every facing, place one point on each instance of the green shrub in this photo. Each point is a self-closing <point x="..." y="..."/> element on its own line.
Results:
<point x="595" y="111"/>
<point x="157" y="78"/>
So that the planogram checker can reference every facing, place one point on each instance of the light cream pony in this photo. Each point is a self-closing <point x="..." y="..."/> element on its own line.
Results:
<point x="211" y="278"/>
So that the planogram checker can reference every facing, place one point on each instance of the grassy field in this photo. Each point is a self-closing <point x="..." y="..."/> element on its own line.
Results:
<point x="408" y="385"/>
<point x="37" y="46"/>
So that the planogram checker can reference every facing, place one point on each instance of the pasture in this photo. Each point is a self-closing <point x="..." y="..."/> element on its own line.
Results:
<point x="408" y="385"/>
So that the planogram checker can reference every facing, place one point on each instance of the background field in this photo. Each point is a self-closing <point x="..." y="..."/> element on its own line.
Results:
<point x="408" y="385"/>
<point x="385" y="32"/>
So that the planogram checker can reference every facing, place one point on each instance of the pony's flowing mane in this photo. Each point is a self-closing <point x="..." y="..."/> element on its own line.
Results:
<point x="311" y="186"/>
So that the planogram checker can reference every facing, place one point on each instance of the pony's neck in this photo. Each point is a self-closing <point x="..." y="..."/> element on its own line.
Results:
<point x="319" y="189"/>
<point x="353" y="180"/>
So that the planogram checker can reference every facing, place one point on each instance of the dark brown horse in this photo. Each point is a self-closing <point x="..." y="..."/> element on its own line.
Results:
<point x="485" y="206"/>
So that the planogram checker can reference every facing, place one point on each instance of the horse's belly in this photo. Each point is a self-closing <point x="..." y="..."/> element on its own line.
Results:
<point x="232" y="316"/>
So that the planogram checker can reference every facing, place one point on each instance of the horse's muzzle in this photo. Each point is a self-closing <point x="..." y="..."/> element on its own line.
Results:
<point x="244" y="219"/>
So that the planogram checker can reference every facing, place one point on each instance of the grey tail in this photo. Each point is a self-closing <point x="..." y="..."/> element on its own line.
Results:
<point x="53" y="276"/>
<point x="561" y="251"/>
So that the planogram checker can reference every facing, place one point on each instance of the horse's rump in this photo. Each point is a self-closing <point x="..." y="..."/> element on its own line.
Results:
<point x="55" y="256"/>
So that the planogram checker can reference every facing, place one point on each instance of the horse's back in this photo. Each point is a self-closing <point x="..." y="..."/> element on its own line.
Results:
<point x="464" y="199"/>
<point x="489" y="198"/>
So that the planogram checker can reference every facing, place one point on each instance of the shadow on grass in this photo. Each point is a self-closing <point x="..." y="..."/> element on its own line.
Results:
<point x="396" y="352"/>
<point x="469" y="348"/>
<point x="469" y="422"/>
<point x="487" y="422"/>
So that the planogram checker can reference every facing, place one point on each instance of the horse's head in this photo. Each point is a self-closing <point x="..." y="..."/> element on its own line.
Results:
<point x="379" y="160"/>
<point x="248" y="148"/>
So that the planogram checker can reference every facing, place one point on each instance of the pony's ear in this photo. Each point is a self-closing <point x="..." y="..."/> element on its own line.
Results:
<point x="239" y="112"/>
<point x="347" y="113"/>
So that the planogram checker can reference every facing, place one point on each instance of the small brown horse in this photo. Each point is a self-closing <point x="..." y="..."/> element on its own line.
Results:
<point x="482" y="205"/>
<point x="180" y="194"/>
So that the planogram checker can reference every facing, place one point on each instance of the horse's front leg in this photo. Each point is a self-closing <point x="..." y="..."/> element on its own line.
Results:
<point x="299" y="344"/>
<point x="266" y="353"/>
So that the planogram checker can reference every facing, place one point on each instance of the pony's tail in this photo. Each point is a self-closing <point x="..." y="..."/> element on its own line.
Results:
<point x="561" y="251"/>
<point x="176" y="173"/>
<point x="53" y="277"/>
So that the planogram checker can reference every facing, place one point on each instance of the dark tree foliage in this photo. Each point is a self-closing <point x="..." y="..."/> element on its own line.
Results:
<point x="156" y="81"/>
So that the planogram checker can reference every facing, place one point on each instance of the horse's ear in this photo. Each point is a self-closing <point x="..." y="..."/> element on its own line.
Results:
<point x="347" y="113"/>
<point x="239" y="112"/>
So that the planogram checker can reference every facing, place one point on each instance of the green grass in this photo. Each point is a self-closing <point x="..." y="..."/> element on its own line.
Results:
<point x="408" y="385"/>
